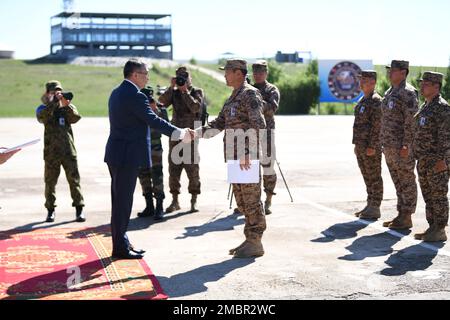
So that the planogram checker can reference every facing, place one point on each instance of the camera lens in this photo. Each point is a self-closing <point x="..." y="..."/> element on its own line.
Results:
<point x="181" y="81"/>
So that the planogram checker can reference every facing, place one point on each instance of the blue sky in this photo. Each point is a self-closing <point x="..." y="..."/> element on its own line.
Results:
<point x="381" y="30"/>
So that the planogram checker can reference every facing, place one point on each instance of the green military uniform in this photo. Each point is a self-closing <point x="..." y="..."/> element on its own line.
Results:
<point x="432" y="144"/>
<point x="59" y="147"/>
<point x="152" y="179"/>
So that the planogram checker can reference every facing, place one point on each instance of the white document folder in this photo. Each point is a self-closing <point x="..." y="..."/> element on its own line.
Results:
<point x="238" y="176"/>
<point x="27" y="144"/>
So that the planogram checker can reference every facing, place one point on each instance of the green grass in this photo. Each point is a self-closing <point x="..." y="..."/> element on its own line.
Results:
<point x="22" y="85"/>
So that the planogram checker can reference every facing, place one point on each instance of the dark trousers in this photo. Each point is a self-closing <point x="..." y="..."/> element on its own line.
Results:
<point x="123" y="184"/>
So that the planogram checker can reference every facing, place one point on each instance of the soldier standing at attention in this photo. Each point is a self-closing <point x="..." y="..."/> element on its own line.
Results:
<point x="400" y="104"/>
<point x="271" y="96"/>
<point x="241" y="115"/>
<point x="366" y="138"/>
<point x="58" y="114"/>
<point x="432" y="150"/>
<point x="152" y="179"/>
<point x="187" y="107"/>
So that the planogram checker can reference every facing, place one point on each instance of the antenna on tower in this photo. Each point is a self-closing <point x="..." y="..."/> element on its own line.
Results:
<point x="69" y="5"/>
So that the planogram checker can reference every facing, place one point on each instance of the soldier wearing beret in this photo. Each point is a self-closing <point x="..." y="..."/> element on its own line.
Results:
<point x="240" y="117"/>
<point x="187" y="104"/>
<point x="432" y="150"/>
<point x="271" y="96"/>
<point x="400" y="104"/>
<point x="366" y="138"/>
<point x="57" y="115"/>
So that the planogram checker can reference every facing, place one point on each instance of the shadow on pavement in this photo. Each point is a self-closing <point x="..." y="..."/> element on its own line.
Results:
<point x="223" y="224"/>
<point x="194" y="281"/>
<point x="415" y="258"/>
<point x="342" y="231"/>
<point x="377" y="245"/>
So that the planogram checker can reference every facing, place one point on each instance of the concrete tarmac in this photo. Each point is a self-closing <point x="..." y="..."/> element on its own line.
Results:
<point x="315" y="247"/>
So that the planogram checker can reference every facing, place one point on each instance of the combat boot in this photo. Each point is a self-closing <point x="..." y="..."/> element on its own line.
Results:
<point x="194" y="203"/>
<point x="419" y="236"/>
<point x="268" y="205"/>
<point x="371" y="213"/>
<point x="233" y="251"/>
<point x="251" y="249"/>
<point x="402" y="222"/>
<point x="358" y="214"/>
<point x="149" y="210"/>
<point x="437" y="234"/>
<point x="174" y="206"/>
<point x="51" y="216"/>
<point x="80" y="215"/>
<point x="159" y="214"/>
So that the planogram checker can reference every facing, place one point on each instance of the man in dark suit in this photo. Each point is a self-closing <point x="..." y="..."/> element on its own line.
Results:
<point x="129" y="148"/>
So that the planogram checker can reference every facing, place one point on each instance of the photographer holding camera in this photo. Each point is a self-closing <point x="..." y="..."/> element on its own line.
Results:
<point x="152" y="179"/>
<point x="58" y="114"/>
<point x="187" y="103"/>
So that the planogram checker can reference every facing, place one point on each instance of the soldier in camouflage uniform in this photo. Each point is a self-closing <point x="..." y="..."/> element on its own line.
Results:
<point x="187" y="107"/>
<point x="400" y="104"/>
<point x="241" y="115"/>
<point x="57" y="115"/>
<point x="432" y="150"/>
<point x="271" y="96"/>
<point x="366" y="138"/>
<point x="152" y="179"/>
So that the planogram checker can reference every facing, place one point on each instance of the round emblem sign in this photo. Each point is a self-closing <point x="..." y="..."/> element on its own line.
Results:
<point x="343" y="81"/>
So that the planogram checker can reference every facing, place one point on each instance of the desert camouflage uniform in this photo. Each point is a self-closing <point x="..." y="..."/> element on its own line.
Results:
<point x="152" y="179"/>
<point x="366" y="134"/>
<point x="271" y="96"/>
<point x="59" y="149"/>
<point x="243" y="110"/>
<point x="432" y="144"/>
<point x="397" y="130"/>
<point x="186" y="111"/>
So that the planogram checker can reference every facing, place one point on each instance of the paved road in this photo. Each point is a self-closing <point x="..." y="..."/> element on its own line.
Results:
<point x="315" y="248"/>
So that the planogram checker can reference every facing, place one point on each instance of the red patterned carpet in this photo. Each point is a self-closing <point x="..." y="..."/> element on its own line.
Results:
<point x="45" y="265"/>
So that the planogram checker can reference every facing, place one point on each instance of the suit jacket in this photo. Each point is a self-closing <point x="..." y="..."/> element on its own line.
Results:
<point x="131" y="118"/>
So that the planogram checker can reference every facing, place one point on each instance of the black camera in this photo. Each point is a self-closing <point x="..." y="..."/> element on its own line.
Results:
<point x="180" y="81"/>
<point x="68" y="95"/>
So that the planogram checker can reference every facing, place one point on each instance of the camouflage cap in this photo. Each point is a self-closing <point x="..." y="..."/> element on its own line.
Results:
<point x="182" y="71"/>
<point x="435" y="77"/>
<point x="260" y="66"/>
<point x="399" y="64"/>
<point x="371" y="74"/>
<point x="53" y="85"/>
<point x="235" y="64"/>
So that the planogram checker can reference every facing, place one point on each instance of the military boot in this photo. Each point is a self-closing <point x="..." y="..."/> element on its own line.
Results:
<point x="437" y="234"/>
<point x="371" y="213"/>
<point x="233" y="251"/>
<point x="175" y="205"/>
<point x="194" y="203"/>
<point x="159" y="214"/>
<point x="420" y="236"/>
<point x="149" y="210"/>
<point x="251" y="249"/>
<point x="80" y="215"/>
<point x="402" y="222"/>
<point x="51" y="216"/>
<point x="358" y="214"/>
<point x="268" y="204"/>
